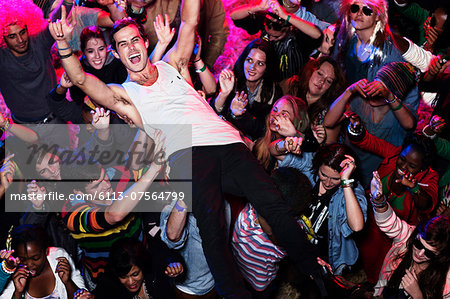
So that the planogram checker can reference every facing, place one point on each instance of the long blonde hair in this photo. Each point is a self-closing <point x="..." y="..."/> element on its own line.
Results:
<point x="381" y="33"/>
<point x="300" y="122"/>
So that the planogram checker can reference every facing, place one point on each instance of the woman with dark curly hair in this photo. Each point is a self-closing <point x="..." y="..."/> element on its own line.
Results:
<point x="417" y="265"/>
<point x="320" y="82"/>
<point x="408" y="183"/>
<point x="248" y="92"/>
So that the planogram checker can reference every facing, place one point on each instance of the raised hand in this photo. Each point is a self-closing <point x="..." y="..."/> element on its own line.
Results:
<point x="358" y="87"/>
<point x="163" y="30"/>
<point x="355" y="120"/>
<point x="407" y="180"/>
<point x="83" y="294"/>
<point x="10" y="260"/>
<point x="65" y="81"/>
<point x="278" y="9"/>
<point x="7" y="171"/>
<point x="36" y="194"/>
<point x="226" y="81"/>
<point x="410" y="284"/>
<point x="348" y="166"/>
<point x="61" y="29"/>
<point x="319" y="133"/>
<point x="284" y="125"/>
<point x="437" y="124"/>
<point x="293" y="144"/>
<point x="239" y="103"/>
<point x="63" y="270"/>
<point x="174" y="269"/>
<point x="376" y="89"/>
<point x="100" y="118"/>
<point x="20" y="279"/>
<point x="376" y="188"/>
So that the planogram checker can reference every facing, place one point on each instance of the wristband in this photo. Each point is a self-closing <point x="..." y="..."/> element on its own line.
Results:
<point x="197" y="60"/>
<point x="414" y="190"/>
<point x="391" y="101"/>
<point x="346" y="182"/>
<point x="179" y="208"/>
<point x="65" y="56"/>
<point x="426" y="135"/>
<point x="201" y="70"/>
<point x="62" y="49"/>
<point x="378" y="204"/>
<point x="287" y="20"/>
<point x="398" y="107"/>
<point x="6" y="269"/>
<point x="67" y="2"/>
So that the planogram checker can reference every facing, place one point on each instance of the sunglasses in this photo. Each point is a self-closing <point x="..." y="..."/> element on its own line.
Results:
<point x="428" y="253"/>
<point x="355" y="8"/>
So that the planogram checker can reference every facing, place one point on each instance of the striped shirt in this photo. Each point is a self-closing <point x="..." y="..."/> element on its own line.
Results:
<point x="256" y="256"/>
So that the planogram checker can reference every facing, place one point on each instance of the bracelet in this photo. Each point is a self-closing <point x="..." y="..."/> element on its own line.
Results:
<point x="391" y="101"/>
<point x="352" y="131"/>
<point x="287" y="20"/>
<point x="414" y="190"/>
<point x="197" y="60"/>
<point x="7" y="126"/>
<point x="179" y="208"/>
<point x="65" y="56"/>
<point x="62" y="49"/>
<point x="378" y="204"/>
<point x="350" y="185"/>
<point x="67" y="2"/>
<point x="398" y="107"/>
<point x="346" y="182"/>
<point x="6" y="269"/>
<point x="201" y="70"/>
<point x="426" y="135"/>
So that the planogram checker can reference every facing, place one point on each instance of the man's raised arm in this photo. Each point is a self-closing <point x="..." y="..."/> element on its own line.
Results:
<point x="91" y="85"/>
<point x="181" y="52"/>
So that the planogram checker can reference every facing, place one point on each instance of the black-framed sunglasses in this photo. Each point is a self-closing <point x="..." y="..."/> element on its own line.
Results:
<point x="428" y="253"/>
<point x="354" y="8"/>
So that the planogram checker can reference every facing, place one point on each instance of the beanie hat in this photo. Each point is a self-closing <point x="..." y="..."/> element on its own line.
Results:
<point x="398" y="77"/>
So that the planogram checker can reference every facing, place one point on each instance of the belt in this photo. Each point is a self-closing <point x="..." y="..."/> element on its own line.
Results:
<point x="45" y="120"/>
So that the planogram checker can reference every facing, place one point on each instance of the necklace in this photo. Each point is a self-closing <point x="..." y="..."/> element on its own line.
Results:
<point x="146" y="294"/>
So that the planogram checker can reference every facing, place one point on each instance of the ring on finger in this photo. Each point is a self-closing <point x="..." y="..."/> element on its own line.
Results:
<point x="290" y="142"/>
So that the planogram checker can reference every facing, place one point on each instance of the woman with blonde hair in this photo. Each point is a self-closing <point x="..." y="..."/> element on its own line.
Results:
<point x="286" y="123"/>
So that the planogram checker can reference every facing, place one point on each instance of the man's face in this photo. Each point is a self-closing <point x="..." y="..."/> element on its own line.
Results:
<point x="16" y="38"/>
<point x="131" y="48"/>
<point x="275" y="31"/>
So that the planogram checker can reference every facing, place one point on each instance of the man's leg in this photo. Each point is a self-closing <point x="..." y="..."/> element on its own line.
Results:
<point x="208" y="208"/>
<point x="241" y="168"/>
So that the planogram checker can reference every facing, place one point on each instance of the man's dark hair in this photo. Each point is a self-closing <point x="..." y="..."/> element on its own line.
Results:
<point x="295" y="188"/>
<point x="120" y="24"/>
<point x="84" y="174"/>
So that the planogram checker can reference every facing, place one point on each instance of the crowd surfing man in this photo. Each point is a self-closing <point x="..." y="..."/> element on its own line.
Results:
<point x="161" y="94"/>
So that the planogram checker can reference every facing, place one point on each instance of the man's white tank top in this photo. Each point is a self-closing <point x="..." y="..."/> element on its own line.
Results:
<point x="173" y="106"/>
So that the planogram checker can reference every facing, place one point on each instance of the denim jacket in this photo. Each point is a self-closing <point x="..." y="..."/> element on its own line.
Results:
<point x="342" y="249"/>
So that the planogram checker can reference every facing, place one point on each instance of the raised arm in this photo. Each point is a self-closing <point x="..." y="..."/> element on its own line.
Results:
<point x="246" y="10"/>
<point x="181" y="52"/>
<point x="113" y="97"/>
<point x="302" y="25"/>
